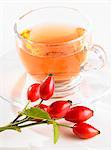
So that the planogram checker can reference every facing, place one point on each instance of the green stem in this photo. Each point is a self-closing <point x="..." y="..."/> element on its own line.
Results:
<point x="40" y="102"/>
<point x="27" y="118"/>
<point x="15" y="122"/>
<point x="17" y="127"/>
<point x="21" y="121"/>
<point x="3" y="128"/>
<point x="32" y="124"/>
<point x="9" y="127"/>
<point x="26" y="106"/>
<point x="19" y="115"/>
<point x="63" y="125"/>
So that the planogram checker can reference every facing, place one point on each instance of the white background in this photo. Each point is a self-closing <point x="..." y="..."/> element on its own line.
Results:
<point x="98" y="13"/>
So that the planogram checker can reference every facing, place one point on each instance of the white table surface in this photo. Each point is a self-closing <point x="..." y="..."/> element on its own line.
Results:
<point x="28" y="139"/>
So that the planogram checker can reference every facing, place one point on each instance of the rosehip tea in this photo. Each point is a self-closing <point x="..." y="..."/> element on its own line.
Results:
<point x="53" y="50"/>
<point x="57" y="40"/>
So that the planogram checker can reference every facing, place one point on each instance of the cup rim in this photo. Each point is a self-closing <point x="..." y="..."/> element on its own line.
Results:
<point x="51" y="44"/>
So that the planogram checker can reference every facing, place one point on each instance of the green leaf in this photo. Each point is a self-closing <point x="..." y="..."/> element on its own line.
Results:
<point x="36" y="113"/>
<point x="56" y="132"/>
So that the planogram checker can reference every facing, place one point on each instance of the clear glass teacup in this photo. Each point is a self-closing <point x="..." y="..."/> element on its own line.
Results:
<point x="57" y="40"/>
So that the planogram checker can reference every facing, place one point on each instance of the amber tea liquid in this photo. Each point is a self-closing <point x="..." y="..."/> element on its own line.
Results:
<point x="56" y="49"/>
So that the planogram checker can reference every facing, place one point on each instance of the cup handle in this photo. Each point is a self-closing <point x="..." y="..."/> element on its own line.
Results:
<point x="96" y="59"/>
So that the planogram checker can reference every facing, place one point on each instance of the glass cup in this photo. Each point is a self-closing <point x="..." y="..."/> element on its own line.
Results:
<point x="57" y="40"/>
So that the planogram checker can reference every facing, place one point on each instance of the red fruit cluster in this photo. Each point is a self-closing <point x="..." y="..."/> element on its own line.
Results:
<point x="43" y="90"/>
<point x="78" y="115"/>
<point x="62" y="109"/>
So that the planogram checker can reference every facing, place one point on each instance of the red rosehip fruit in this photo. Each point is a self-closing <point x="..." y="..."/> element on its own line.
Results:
<point x="33" y="92"/>
<point x="47" y="87"/>
<point x="42" y="106"/>
<point x="78" y="114"/>
<point x="85" y="131"/>
<point x="59" y="109"/>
